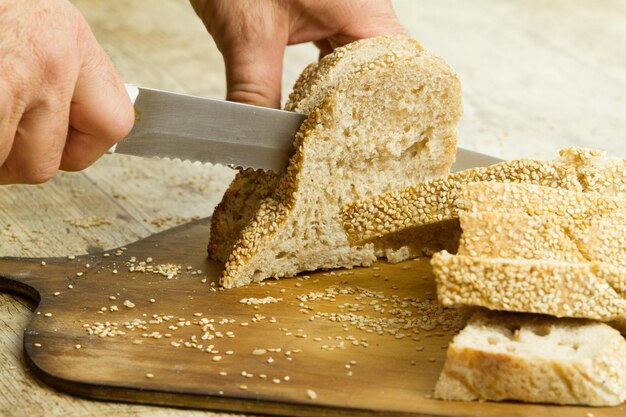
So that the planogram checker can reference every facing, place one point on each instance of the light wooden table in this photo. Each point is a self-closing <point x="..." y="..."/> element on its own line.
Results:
<point x="537" y="76"/>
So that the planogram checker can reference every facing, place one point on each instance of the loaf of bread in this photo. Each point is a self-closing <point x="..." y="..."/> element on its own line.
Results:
<point x="382" y="114"/>
<point x="507" y="356"/>
<point x="547" y="237"/>
<point x="437" y="200"/>
<point x="590" y="290"/>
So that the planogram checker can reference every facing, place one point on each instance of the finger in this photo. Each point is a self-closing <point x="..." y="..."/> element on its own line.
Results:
<point x="9" y="118"/>
<point x="349" y="21"/>
<point x="254" y="69"/>
<point x="101" y="113"/>
<point x="38" y="143"/>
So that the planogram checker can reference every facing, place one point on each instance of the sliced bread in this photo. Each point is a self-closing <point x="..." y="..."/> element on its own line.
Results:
<point x="380" y="122"/>
<point x="590" y="290"/>
<point x="440" y="199"/>
<point x="535" y="200"/>
<point x="548" y="237"/>
<point x="507" y="356"/>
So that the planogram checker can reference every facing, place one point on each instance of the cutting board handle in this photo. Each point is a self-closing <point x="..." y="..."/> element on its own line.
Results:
<point x="25" y="277"/>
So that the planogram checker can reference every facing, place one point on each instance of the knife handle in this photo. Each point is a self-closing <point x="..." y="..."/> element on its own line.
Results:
<point x="133" y="92"/>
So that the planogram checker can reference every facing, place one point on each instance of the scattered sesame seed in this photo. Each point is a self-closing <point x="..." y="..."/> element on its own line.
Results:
<point x="216" y="358"/>
<point x="43" y="263"/>
<point x="149" y="375"/>
<point x="48" y="314"/>
<point x="311" y="394"/>
<point x="77" y="346"/>
<point x="259" y="352"/>
<point x="57" y="293"/>
<point x="129" y="304"/>
<point x="37" y="345"/>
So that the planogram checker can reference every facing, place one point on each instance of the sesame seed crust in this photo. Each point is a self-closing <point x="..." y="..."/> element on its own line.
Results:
<point x="591" y="290"/>
<point x="549" y="237"/>
<point x="441" y="199"/>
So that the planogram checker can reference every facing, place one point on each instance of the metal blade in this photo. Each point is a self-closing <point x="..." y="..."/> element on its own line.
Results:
<point x="466" y="159"/>
<point x="201" y="129"/>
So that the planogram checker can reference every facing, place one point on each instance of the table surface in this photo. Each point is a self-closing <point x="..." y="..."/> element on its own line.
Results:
<point x="537" y="76"/>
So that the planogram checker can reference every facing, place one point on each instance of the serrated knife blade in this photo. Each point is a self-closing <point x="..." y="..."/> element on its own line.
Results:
<point x="186" y="127"/>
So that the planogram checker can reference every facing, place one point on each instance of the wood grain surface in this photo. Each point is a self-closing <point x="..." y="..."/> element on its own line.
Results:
<point x="536" y="75"/>
<point x="148" y="323"/>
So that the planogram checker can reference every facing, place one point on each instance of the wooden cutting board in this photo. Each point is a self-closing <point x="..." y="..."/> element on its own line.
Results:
<point x="351" y="342"/>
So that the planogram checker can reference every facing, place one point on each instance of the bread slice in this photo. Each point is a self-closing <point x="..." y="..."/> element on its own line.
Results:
<point x="547" y="237"/>
<point x="535" y="200"/>
<point x="506" y="356"/>
<point x="582" y="170"/>
<point x="371" y="128"/>
<point x="590" y="290"/>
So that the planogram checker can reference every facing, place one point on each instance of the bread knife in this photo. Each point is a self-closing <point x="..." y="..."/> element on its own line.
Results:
<point x="181" y="126"/>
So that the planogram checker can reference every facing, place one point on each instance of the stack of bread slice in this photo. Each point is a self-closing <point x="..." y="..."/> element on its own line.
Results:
<point x="424" y="218"/>
<point x="533" y="249"/>
<point x="542" y="245"/>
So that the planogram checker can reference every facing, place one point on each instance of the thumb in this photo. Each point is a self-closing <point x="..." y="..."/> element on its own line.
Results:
<point x="254" y="71"/>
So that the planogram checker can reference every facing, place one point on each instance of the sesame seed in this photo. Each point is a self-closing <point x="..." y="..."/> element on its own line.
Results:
<point x="149" y="375"/>
<point x="311" y="394"/>
<point x="37" y="345"/>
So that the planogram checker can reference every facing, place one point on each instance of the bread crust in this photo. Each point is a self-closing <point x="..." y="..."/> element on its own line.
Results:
<point x="547" y="237"/>
<point x="590" y="290"/>
<point x="442" y="199"/>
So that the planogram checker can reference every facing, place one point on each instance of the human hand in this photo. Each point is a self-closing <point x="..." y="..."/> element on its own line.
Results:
<point x="252" y="36"/>
<point x="62" y="104"/>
